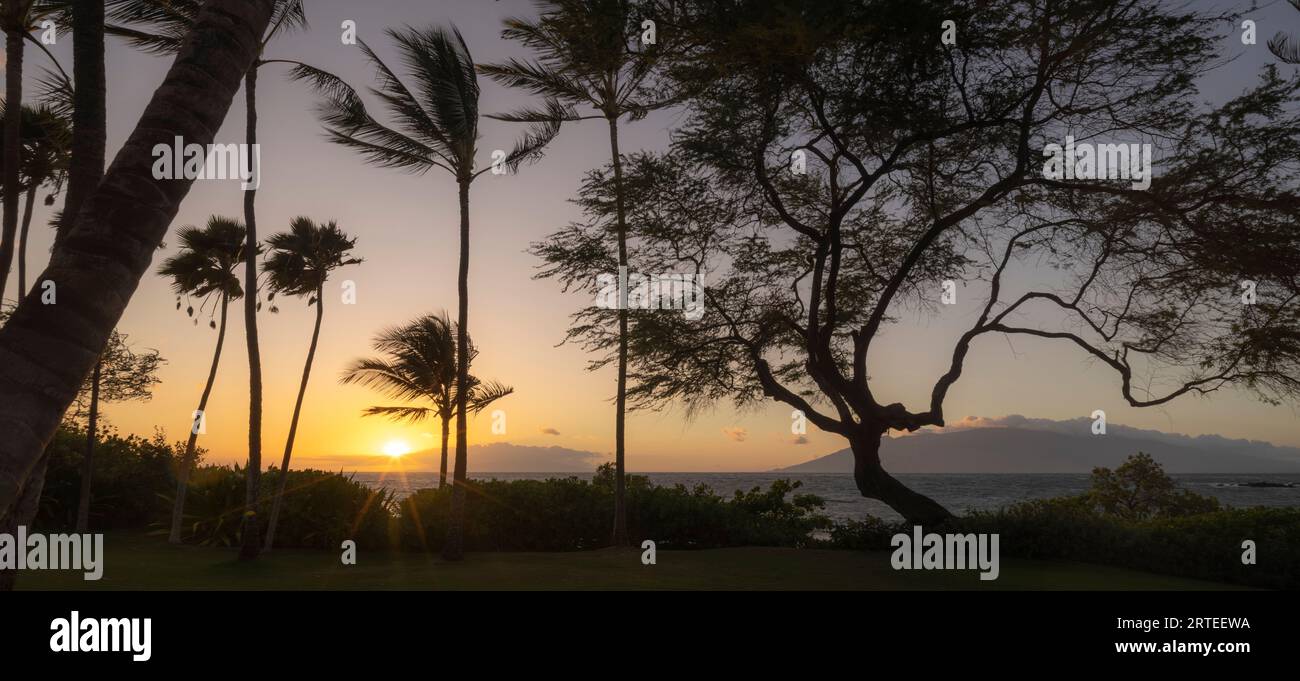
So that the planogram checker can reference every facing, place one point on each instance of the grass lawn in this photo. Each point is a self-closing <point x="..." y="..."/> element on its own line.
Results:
<point x="140" y="562"/>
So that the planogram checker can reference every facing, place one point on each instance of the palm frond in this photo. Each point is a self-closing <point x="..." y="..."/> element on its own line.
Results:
<point x="1285" y="48"/>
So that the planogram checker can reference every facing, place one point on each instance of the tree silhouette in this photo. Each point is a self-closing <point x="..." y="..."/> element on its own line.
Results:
<point x="436" y="127"/>
<point x="925" y="168"/>
<point x="299" y="263"/>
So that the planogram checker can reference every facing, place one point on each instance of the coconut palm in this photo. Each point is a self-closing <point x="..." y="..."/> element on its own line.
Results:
<point x="159" y="27"/>
<point x="589" y="64"/>
<point x="46" y="137"/>
<point x="299" y="263"/>
<point x="18" y="18"/>
<point x="436" y="126"/>
<point x="124" y="220"/>
<point x="204" y="271"/>
<point x="420" y="366"/>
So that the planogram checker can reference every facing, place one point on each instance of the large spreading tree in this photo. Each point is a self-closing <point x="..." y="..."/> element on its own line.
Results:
<point x="841" y="160"/>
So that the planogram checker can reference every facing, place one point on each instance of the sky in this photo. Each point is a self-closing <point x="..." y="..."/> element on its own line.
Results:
<point x="406" y="226"/>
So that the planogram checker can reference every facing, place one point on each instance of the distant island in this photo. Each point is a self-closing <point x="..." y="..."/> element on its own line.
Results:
<point x="1043" y="449"/>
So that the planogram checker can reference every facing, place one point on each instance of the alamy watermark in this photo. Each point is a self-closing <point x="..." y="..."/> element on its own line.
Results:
<point x="192" y="161"/>
<point x="36" y="551"/>
<point x="1088" y="161"/>
<point x="635" y="291"/>
<point x="919" y="551"/>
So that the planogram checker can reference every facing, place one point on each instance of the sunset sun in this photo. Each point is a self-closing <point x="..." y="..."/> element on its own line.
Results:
<point x="396" y="448"/>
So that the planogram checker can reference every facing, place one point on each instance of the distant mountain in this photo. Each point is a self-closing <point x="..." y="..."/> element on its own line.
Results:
<point x="1030" y="450"/>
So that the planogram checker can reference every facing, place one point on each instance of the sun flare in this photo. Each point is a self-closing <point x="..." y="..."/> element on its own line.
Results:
<point x="396" y="448"/>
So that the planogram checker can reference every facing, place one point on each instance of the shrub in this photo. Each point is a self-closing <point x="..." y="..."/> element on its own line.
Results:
<point x="319" y="511"/>
<point x="130" y="474"/>
<point x="569" y="514"/>
<point x="1139" y="489"/>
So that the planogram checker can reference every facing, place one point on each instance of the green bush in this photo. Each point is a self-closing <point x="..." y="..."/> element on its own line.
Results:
<point x="129" y="475"/>
<point x="569" y="514"/>
<point x="319" y="511"/>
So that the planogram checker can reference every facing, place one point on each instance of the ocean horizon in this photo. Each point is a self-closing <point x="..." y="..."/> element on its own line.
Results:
<point x="959" y="492"/>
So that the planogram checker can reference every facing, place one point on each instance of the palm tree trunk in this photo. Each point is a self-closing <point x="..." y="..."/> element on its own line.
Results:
<point x="454" y="548"/>
<point x="442" y="470"/>
<point x="187" y="460"/>
<point x="87" y="465"/>
<point x="113" y="241"/>
<point x="620" y="482"/>
<point x="13" y="152"/>
<point x="251" y="539"/>
<point x="22" y="239"/>
<point x="293" y="423"/>
<point x="89" y="113"/>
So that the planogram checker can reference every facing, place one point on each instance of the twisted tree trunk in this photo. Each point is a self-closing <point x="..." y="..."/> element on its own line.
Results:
<point x="875" y="483"/>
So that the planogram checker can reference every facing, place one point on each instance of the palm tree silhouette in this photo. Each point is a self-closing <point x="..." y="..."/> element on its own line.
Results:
<point x="299" y="263"/>
<point x="1283" y="46"/>
<point x="18" y="18"/>
<point x="420" y="366"/>
<point x="204" y="270"/>
<point x="160" y="27"/>
<point x="436" y="127"/>
<point x="588" y="55"/>
<point x="46" y="139"/>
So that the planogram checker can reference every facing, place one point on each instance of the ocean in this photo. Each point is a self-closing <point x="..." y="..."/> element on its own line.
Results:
<point x="957" y="491"/>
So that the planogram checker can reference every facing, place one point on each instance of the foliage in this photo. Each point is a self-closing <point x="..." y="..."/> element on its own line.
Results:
<point x="419" y="365"/>
<point x="131" y="474"/>
<point x="568" y="514"/>
<point x="320" y="509"/>
<point x="1139" y="490"/>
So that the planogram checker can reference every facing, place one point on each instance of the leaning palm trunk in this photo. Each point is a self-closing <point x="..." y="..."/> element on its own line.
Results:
<point x="88" y="141"/>
<point x="22" y="239"/>
<point x="293" y="423"/>
<point x="251" y="539"/>
<point x="13" y="152"/>
<point x="454" y="548"/>
<point x="187" y="460"/>
<point x="87" y="464"/>
<point x="49" y="350"/>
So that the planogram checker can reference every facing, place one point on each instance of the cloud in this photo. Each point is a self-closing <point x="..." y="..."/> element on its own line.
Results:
<point x="800" y="440"/>
<point x="737" y="434"/>
<point x="548" y="431"/>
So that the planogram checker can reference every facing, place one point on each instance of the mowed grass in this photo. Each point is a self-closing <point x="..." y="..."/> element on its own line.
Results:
<point x="141" y="562"/>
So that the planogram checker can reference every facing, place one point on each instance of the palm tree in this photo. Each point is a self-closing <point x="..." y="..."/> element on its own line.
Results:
<point x="1283" y="46"/>
<point x="299" y="263"/>
<point x="204" y="270"/>
<point x="588" y="54"/>
<point x="18" y="18"/>
<point x="420" y="365"/>
<point x="123" y="222"/>
<point x="436" y="127"/>
<point x="45" y="158"/>
<point x="159" y="27"/>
